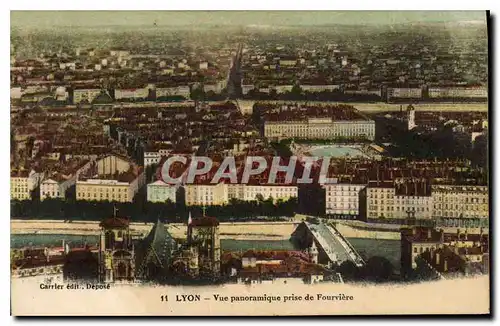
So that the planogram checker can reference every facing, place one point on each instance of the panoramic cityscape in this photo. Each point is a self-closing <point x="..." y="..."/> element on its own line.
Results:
<point x="248" y="152"/>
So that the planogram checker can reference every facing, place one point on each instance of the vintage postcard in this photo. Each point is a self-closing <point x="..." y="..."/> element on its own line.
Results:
<point x="249" y="163"/>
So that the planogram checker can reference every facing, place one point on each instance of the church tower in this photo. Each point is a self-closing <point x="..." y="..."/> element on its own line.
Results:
<point x="116" y="251"/>
<point x="410" y="112"/>
<point x="203" y="232"/>
<point x="313" y="253"/>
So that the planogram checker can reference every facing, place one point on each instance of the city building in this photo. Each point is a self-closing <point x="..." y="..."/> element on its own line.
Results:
<point x="342" y="200"/>
<point x="132" y="94"/>
<point x="116" y="251"/>
<point x="154" y="254"/>
<point x="203" y="232"/>
<point x="460" y="201"/>
<point x="160" y="192"/>
<point x="404" y="93"/>
<point x="205" y="193"/>
<point x="458" y="92"/>
<point x="23" y="182"/>
<point x="319" y="128"/>
<point x="58" y="183"/>
<point x="88" y="94"/>
<point x="266" y="191"/>
<point x="426" y="250"/>
<point x="399" y="200"/>
<point x="111" y="178"/>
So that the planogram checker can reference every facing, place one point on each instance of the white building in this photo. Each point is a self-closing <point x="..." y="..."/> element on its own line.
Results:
<point x="206" y="194"/>
<point x="56" y="185"/>
<point x="15" y="92"/>
<point x="464" y="92"/>
<point x="343" y="199"/>
<point x="112" y="178"/>
<point x="23" y="182"/>
<point x="108" y="189"/>
<point x="245" y="89"/>
<point x="151" y="158"/>
<point x="275" y="191"/>
<point x="88" y="94"/>
<point x="319" y="88"/>
<point x="456" y="201"/>
<point x="161" y="192"/>
<point x="320" y="128"/>
<point x="131" y="93"/>
<point x="411" y="200"/>
<point x="404" y="93"/>
<point x="173" y="91"/>
<point x="220" y="194"/>
<point x="283" y="88"/>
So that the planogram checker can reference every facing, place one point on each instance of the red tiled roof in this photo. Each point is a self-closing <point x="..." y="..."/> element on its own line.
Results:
<point x="204" y="221"/>
<point x="115" y="223"/>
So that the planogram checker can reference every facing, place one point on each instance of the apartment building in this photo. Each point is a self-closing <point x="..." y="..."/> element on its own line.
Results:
<point x="399" y="200"/>
<point x="88" y="94"/>
<point x="111" y="178"/>
<point x="464" y="92"/>
<point x="56" y="184"/>
<point x="161" y="192"/>
<point x="173" y="91"/>
<point x="23" y="182"/>
<point x="342" y="199"/>
<point x="204" y="193"/>
<point x="275" y="191"/>
<point x="320" y="128"/>
<point x="457" y="201"/>
<point x="222" y="193"/>
<point x="131" y="94"/>
<point x="151" y="158"/>
<point x="404" y="93"/>
<point x="380" y="200"/>
<point x="443" y="251"/>
<point x="319" y="88"/>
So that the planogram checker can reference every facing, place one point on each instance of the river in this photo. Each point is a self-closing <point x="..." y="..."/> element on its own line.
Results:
<point x="367" y="248"/>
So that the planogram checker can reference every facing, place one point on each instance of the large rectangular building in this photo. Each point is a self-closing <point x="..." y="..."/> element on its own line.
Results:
<point x="399" y="200"/>
<point x="320" y="128"/>
<point x="456" y="201"/>
<point x="88" y="94"/>
<point x="161" y="192"/>
<point x="458" y="92"/>
<point x="222" y="193"/>
<point x="112" y="178"/>
<point x="23" y="182"/>
<point x="342" y="199"/>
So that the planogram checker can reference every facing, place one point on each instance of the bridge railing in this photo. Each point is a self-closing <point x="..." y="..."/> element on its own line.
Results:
<point x="346" y="242"/>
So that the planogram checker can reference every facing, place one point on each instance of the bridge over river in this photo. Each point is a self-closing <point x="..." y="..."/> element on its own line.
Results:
<point x="331" y="244"/>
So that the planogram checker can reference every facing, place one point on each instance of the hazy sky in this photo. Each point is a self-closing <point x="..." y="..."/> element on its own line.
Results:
<point x="106" y="18"/>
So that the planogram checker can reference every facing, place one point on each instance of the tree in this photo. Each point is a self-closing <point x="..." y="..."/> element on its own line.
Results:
<point x="378" y="269"/>
<point x="349" y="271"/>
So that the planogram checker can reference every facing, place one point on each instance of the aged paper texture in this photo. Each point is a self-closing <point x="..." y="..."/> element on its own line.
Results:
<point x="254" y="163"/>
